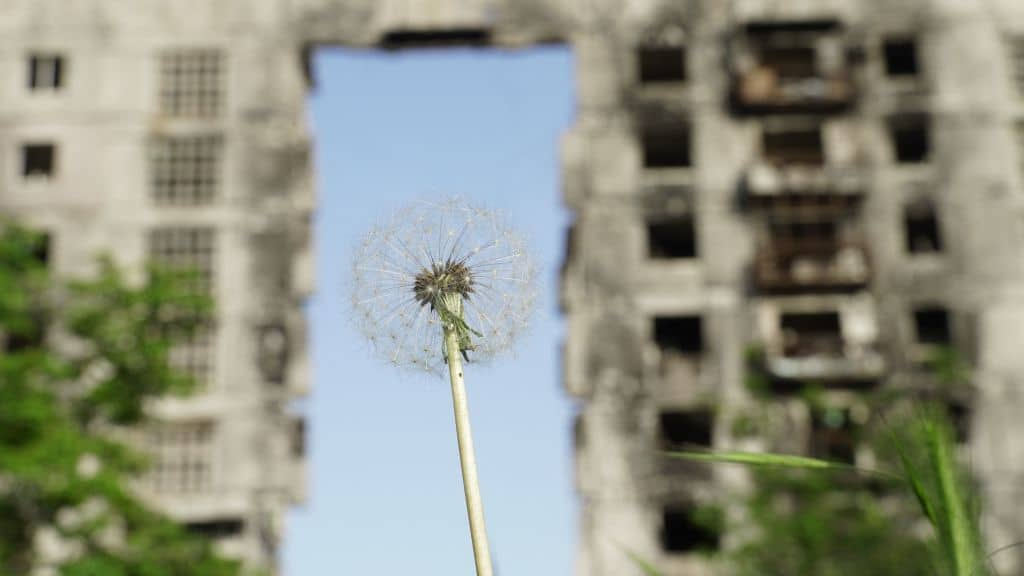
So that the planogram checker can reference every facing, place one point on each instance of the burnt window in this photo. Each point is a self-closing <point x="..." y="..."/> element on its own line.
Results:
<point x="672" y="238"/>
<point x="38" y="160"/>
<point x="932" y="326"/>
<point x="680" y="334"/>
<point x="811" y="333"/>
<point x="900" y="54"/>
<point x="685" y="530"/>
<point x="682" y="428"/>
<point x="793" y="62"/>
<point x="661" y="64"/>
<point x="45" y="72"/>
<point x="803" y="234"/>
<point x="833" y="435"/>
<point x="797" y="146"/>
<point x="216" y="528"/>
<point x="911" y="143"/>
<point x="667" y="147"/>
<point x="921" y="227"/>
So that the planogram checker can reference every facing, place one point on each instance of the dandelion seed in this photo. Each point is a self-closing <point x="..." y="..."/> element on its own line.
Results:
<point x="402" y="271"/>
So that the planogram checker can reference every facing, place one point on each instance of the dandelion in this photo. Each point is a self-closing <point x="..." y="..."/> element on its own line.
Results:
<point x="441" y="283"/>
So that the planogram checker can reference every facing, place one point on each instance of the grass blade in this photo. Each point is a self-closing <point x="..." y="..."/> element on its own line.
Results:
<point x="647" y="568"/>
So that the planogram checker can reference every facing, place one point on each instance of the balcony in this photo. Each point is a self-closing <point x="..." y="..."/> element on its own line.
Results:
<point x="790" y="268"/>
<point x="763" y="91"/>
<point x="764" y="181"/>
<point x="791" y="68"/>
<point x="824" y="346"/>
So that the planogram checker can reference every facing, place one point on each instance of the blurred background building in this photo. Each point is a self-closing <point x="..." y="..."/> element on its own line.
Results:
<point x="824" y="192"/>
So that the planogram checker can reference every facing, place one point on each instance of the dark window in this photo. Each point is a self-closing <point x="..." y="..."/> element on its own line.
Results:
<point x="38" y="160"/>
<point x="794" y="147"/>
<point x="682" y="334"/>
<point x="672" y="238"/>
<point x="45" y="71"/>
<point x="910" y="141"/>
<point x="921" y="226"/>
<point x="680" y="428"/>
<point x="900" y="56"/>
<point x="931" y="325"/>
<point x="218" y="528"/>
<point x="791" y="61"/>
<point x="833" y="435"/>
<point x="809" y="334"/>
<point x="682" y="531"/>
<point x="667" y="148"/>
<point x="298" y="438"/>
<point x="960" y="420"/>
<point x="661" y="64"/>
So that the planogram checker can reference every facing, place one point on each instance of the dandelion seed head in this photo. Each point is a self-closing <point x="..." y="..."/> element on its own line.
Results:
<point x="430" y="249"/>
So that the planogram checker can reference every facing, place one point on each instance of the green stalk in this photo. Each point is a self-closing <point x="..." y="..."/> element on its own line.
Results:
<point x="467" y="457"/>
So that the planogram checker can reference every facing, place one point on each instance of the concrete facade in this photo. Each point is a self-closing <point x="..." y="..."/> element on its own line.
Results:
<point x="825" y="190"/>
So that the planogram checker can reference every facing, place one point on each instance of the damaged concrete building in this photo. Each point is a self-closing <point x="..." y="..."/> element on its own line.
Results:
<point x="831" y="190"/>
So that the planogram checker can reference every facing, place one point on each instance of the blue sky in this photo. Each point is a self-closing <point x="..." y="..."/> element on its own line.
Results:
<point x="385" y="489"/>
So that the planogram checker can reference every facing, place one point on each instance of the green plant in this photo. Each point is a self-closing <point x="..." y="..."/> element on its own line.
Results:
<point x="78" y="362"/>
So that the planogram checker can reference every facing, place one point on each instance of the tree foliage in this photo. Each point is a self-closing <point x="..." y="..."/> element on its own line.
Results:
<point x="79" y="362"/>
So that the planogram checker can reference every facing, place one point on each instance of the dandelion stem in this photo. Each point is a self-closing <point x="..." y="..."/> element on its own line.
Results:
<point x="467" y="457"/>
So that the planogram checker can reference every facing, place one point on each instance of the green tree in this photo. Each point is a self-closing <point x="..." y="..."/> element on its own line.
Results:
<point x="79" y="361"/>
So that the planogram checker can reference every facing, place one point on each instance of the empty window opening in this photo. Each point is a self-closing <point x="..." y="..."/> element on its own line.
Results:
<point x="217" y="528"/>
<point x="682" y="428"/>
<point x="1015" y="53"/>
<point x="790" y="62"/>
<point x="399" y="39"/>
<point x="932" y="326"/>
<point x="788" y="147"/>
<point x="811" y="333"/>
<point x="672" y="238"/>
<point x="900" y="56"/>
<point x="921" y="227"/>
<point x="684" y="529"/>
<point x="298" y="438"/>
<point x="192" y="83"/>
<point x="910" y="140"/>
<point x="38" y="160"/>
<point x="833" y="435"/>
<point x="185" y="171"/>
<point x="808" y="235"/>
<point x="959" y="415"/>
<point x="45" y="72"/>
<point x="680" y="334"/>
<point x="661" y="64"/>
<point x="667" y="148"/>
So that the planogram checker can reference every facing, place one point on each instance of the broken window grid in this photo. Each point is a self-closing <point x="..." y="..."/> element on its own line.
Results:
<point x="185" y="170"/>
<point x="190" y="249"/>
<point x="192" y="83"/>
<point x="182" y="456"/>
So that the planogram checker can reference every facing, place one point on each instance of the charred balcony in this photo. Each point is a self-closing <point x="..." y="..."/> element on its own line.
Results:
<point x="832" y="347"/>
<point x="795" y="158"/>
<point x="785" y="267"/>
<point x="791" y="67"/>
